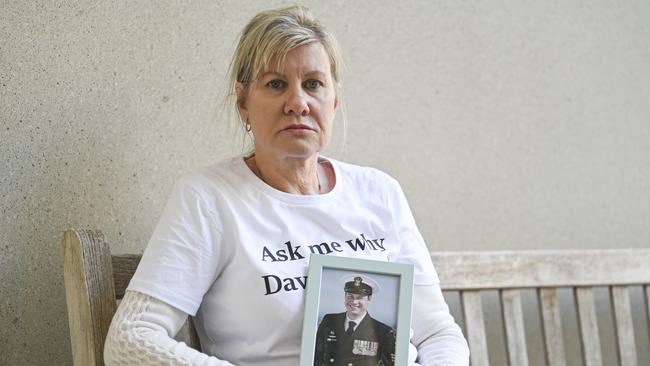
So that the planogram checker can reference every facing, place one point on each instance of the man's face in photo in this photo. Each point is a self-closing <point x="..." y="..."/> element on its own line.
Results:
<point x="356" y="304"/>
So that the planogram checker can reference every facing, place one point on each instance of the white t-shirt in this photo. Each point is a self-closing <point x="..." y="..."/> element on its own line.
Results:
<point x="234" y="252"/>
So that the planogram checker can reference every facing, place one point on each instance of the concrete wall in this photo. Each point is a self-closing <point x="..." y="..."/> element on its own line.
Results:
<point x="510" y="124"/>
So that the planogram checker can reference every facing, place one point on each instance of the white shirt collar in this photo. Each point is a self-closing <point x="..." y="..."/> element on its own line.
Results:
<point x="356" y="321"/>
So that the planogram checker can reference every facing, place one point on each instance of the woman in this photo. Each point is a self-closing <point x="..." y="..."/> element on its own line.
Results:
<point x="233" y="243"/>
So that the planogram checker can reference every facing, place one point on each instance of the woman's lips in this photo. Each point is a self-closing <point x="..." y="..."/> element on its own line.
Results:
<point x="299" y="127"/>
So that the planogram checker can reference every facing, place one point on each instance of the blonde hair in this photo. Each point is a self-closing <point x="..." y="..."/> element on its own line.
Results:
<point x="271" y="34"/>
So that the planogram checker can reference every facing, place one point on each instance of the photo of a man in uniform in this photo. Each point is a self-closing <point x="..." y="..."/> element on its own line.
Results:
<point x="353" y="337"/>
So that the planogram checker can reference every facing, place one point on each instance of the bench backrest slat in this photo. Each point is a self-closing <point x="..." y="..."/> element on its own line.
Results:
<point x="646" y="289"/>
<point x="475" y="327"/>
<point x="513" y="318"/>
<point x="588" y="326"/>
<point x="552" y="327"/>
<point x="624" y="327"/>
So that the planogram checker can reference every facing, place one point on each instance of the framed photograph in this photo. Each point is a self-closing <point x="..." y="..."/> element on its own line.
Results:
<point x="357" y="312"/>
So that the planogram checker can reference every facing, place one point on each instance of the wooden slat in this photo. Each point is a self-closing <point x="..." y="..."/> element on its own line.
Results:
<point x="588" y="326"/>
<point x="522" y="269"/>
<point x="124" y="267"/>
<point x="475" y="327"/>
<point x="552" y="327"/>
<point x="90" y="295"/>
<point x="646" y="289"/>
<point x="513" y="318"/>
<point x="624" y="325"/>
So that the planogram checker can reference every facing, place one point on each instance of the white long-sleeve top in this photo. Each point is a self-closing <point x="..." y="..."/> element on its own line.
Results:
<point x="142" y="331"/>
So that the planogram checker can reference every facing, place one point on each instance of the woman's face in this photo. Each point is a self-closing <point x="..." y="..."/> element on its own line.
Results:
<point x="291" y="107"/>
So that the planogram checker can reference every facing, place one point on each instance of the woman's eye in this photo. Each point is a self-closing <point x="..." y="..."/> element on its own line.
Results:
<point x="313" y="84"/>
<point x="275" y="84"/>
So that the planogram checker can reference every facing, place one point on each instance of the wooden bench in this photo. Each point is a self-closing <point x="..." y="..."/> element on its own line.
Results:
<point x="581" y="271"/>
<point x="94" y="280"/>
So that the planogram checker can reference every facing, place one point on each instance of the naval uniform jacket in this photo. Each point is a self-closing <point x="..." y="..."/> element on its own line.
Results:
<point x="372" y="343"/>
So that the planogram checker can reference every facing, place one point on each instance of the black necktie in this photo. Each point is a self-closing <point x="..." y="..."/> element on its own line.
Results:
<point x="351" y="326"/>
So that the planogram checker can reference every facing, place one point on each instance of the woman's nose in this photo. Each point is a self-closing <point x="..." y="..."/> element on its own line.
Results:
<point x="297" y="103"/>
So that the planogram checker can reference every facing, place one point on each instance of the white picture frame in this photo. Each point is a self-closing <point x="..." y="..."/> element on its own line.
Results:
<point x="390" y="304"/>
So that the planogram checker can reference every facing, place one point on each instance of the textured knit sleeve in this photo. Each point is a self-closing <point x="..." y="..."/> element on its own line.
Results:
<point x="141" y="334"/>
<point x="438" y="338"/>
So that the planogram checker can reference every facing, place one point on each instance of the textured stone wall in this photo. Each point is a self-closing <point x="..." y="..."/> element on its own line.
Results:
<point x="510" y="124"/>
